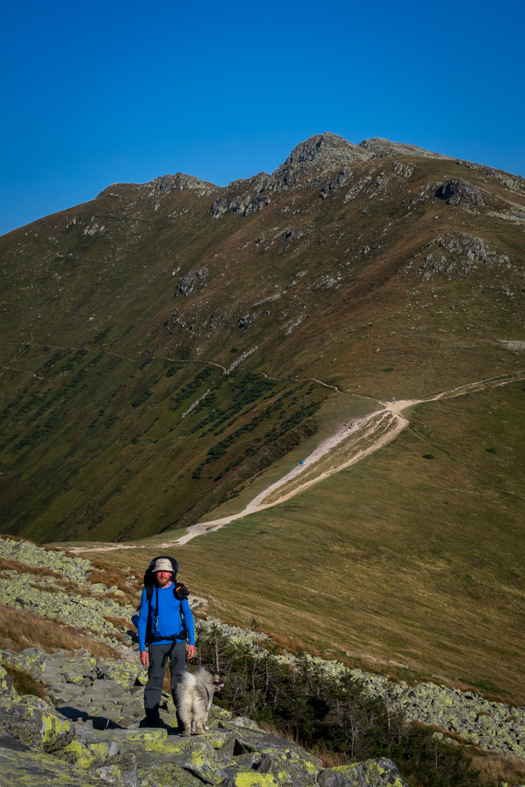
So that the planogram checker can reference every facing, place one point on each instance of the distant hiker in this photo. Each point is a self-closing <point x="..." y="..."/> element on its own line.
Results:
<point x="301" y="462"/>
<point x="164" y="623"/>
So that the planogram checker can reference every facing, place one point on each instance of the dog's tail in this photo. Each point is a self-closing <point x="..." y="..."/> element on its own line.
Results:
<point x="185" y="699"/>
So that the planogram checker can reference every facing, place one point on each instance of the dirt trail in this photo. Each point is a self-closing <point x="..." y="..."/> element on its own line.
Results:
<point x="373" y="430"/>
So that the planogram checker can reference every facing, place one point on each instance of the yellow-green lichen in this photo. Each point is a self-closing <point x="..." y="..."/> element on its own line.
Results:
<point x="31" y="768"/>
<point x="77" y="754"/>
<point x="155" y="737"/>
<point x="253" y="779"/>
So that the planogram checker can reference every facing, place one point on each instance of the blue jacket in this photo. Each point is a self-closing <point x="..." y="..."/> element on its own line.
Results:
<point x="172" y="614"/>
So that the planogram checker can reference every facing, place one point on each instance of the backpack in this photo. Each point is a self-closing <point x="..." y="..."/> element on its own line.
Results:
<point x="180" y="592"/>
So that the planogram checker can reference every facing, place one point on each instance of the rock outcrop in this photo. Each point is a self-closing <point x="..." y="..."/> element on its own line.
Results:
<point x="457" y="191"/>
<point x="93" y="734"/>
<point x="455" y="254"/>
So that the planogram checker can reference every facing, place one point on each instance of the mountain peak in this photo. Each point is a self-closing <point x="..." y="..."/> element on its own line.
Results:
<point x="328" y="148"/>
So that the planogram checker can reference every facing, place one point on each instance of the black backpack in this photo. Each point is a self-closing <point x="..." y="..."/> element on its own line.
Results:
<point x="180" y="592"/>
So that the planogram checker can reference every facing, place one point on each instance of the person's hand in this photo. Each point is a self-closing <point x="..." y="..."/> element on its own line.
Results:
<point x="144" y="658"/>
<point x="191" y="651"/>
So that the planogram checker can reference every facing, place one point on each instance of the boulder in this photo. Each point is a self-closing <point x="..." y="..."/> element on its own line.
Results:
<point x="37" y="768"/>
<point x="166" y="773"/>
<point x="31" y="660"/>
<point x="120" y="671"/>
<point x="288" y="770"/>
<point x="78" y="753"/>
<point x="102" y="689"/>
<point x="40" y="728"/>
<point x="457" y="191"/>
<point x="247" y="741"/>
<point x="76" y="670"/>
<point x="379" y="772"/>
<point x="250" y="779"/>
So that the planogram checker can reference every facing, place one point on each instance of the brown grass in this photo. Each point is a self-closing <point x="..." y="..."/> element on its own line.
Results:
<point x="451" y="684"/>
<point x="447" y="734"/>
<point x="513" y="702"/>
<point x="46" y="589"/>
<point x="498" y="769"/>
<point x="24" y="683"/>
<point x="118" y="622"/>
<point x="21" y="568"/>
<point x="20" y="629"/>
<point x="110" y="574"/>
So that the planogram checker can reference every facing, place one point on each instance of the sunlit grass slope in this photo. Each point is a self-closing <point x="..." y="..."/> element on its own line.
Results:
<point x="401" y="556"/>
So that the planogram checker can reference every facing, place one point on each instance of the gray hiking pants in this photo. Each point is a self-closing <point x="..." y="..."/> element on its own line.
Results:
<point x="158" y="659"/>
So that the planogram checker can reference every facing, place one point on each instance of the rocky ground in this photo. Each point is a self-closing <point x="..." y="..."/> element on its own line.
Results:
<point x="93" y="735"/>
<point x="108" y="694"/>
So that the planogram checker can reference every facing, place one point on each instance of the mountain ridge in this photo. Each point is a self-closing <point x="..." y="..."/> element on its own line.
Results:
<point x="172" y="349"/>
<point x="295" y="283"/>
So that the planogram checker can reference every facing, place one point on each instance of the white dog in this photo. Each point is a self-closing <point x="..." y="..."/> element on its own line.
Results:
<point x="195" y="697"/>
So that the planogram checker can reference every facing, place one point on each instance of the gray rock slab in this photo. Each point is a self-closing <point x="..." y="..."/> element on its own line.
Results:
<point x="104" y="688"/>
<point x="379" y="772"/>
<point x="29" y="769"/>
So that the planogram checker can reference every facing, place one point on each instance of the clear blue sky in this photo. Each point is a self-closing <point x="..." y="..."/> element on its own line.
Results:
<point x="97" y="92"/>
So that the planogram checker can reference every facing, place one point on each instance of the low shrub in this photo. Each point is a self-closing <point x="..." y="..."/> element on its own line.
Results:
<point x="329" y="714"/>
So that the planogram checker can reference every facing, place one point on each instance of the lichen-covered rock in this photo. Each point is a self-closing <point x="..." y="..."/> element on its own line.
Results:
<point x="100" y="689"/>
<point x="78" y="753"/>
<point x="39" y="728"/>
<point x="244" y="721"/>
<point x="120" y="671"/>
<point x="251" y="779"/>
<point x="73" y="609"/>
<point x="75" y="569"/>
<point x="76" y="670"/>
<point x="166" y="773"/>
<point x="219" y="739"/>
<point x="379" y="772"/>
<point x="6" y="686"/>
<point x="289" y="768"/>
<point x="31" y="660"/>
<point x="203" y="764"/>
<point x="34" y="769"/>
<point x="248" y="740"/>
<point x="110" y="773"/>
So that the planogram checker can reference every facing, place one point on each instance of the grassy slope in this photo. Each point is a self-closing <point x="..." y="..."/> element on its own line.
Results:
<point x="398" y="557"/>
<point x="111" y="295"/>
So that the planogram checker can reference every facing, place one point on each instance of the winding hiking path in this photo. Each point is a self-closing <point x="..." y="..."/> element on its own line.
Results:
<point x="343" y="449"/>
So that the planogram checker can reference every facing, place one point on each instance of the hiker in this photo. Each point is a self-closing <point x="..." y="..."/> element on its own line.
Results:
<point x="165" y="622"/>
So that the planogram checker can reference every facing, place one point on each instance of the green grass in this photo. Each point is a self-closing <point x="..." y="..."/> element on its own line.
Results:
<point x="396" y="557"/>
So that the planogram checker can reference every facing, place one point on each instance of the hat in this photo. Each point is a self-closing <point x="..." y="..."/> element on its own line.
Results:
<point x="163" y="564"/>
